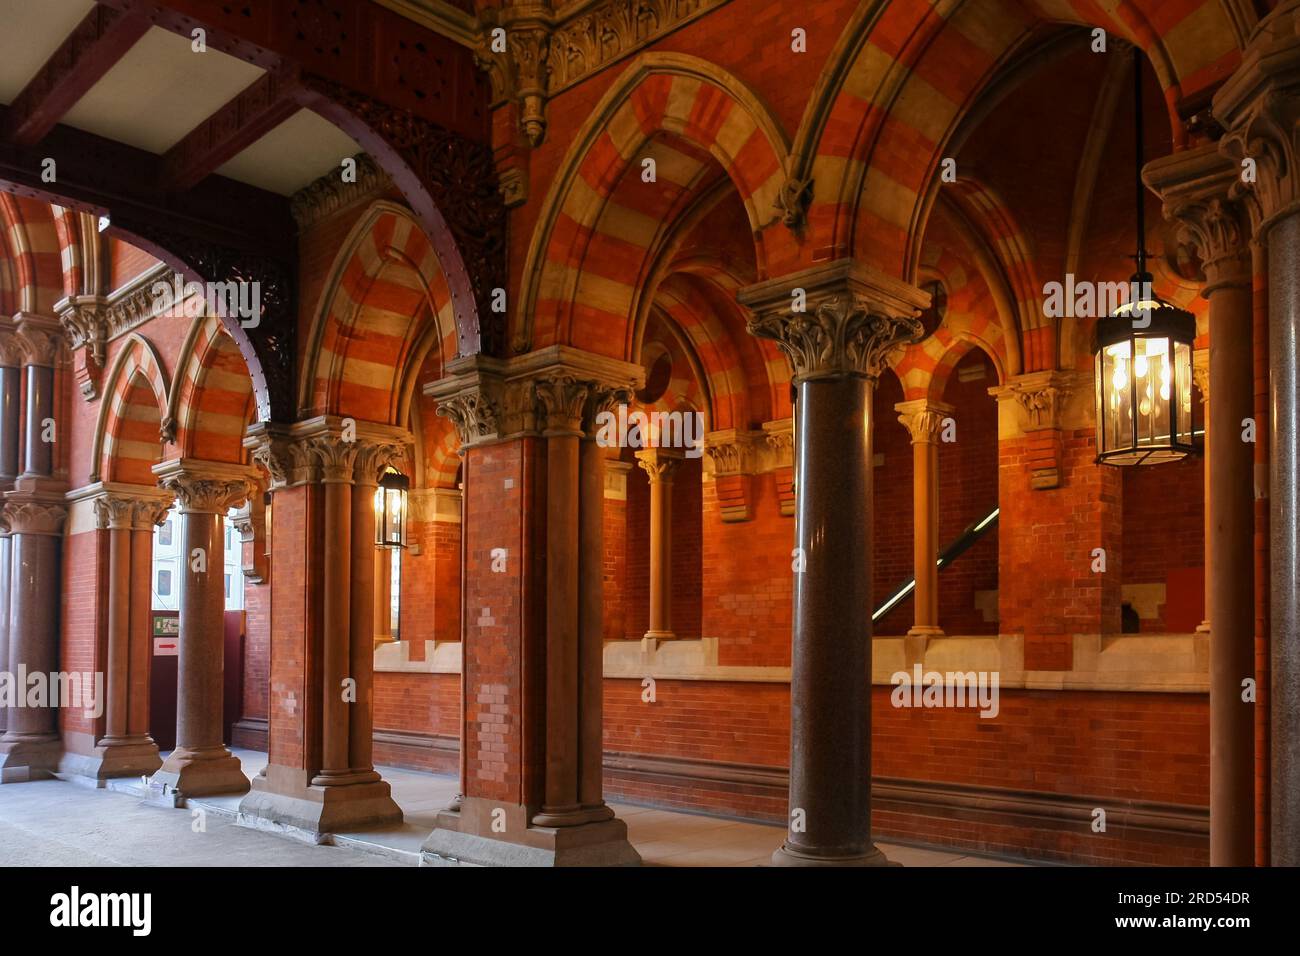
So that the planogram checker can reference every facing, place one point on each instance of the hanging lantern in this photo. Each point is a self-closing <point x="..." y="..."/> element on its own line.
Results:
<point x="1145" y="413"/>
<point x="390" y="510"/>
<point x="1143" y="356"/>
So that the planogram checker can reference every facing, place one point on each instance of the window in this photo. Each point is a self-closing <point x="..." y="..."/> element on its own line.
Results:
<point x="395" y="595"/>
<point x="164" y="587"/>
<point x="165" y="534"/>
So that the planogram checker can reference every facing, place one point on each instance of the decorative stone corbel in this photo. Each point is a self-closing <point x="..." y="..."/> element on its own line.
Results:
<point x="85" y="324"/>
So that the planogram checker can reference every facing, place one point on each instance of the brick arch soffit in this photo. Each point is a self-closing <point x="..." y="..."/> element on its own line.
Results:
<point x="695" y="367"/>
<point x="649" y="65"/>
<point x="192" y="366"/>
<point x="32" y="243"/>
<point x="138" y="353"/>
<point x="837" y="183"/>
<point x="431" y="333"/>
<point x="958" y="349"/>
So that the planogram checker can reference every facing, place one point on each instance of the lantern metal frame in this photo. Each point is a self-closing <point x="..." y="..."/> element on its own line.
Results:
<point x="1146" y="318"/>
<point x="1177" y="329"/>
<point x="392" y="482"/>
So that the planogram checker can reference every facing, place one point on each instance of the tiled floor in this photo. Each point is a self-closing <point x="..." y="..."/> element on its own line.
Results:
<point x="57" y="823"/>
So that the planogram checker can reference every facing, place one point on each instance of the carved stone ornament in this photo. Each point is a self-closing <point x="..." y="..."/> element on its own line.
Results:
<point x="35" y="517"/>
<point x="474" y="415"/>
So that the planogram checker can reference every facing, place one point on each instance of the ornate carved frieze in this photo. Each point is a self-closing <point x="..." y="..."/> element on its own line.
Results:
<point x="838" y="320"/>
<point x="541" y="53"/>
<point x="328" y="194"/>
<point x="326" y="449"/>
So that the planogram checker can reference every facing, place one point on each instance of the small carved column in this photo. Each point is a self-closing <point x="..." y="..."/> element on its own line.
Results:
<point x="41" y="340"/>
<point x="201" y="764"/>
<point x="30" y="747"/>
<point x="1201" y="375"/>
<point x="562" y="400"/>
<point x="1195" y="185"/>
<point x="660" y="464"/>
<point x="10" y="402"/>
<point x="923" y="420"/>
<point x="837" y="348"/>
<point x="126" y="749"/>
<point x="591" y="597"/>
<point x="371" y="461"/>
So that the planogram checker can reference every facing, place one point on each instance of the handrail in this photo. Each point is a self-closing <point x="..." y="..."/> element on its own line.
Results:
<point x="973" y="533"/>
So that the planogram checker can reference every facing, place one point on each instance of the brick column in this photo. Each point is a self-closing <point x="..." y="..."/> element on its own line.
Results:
<point x="10" y="430"/>
<point x="35" y="513"/>
<point x="1259" y="107"/>
<point x="660" y="464"/>
<point x="201" y="764"/>
<point x="531" y="721"/>
<point x="837" y="348"/>
<point x="1195" y="185"/>
<point x="923" y="420"/>
<point x="320" y="776"/>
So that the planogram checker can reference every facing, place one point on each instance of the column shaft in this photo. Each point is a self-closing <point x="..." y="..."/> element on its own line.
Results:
<point x="361" y="719"/>
<point x="591" y="643"/>
<point x="561" y="790"/>
<point x="10" y="430"/>
<point x="336" y="656"/>
<point x="1284" y="539"/>
<point x="119" y="632"/>
<point x="925" y="535"/>
<point x="830" y="683"/>
<point x="40" y="407"/>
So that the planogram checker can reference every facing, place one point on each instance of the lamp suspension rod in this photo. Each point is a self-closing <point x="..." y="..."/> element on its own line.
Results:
<point x="1138" y="157"/>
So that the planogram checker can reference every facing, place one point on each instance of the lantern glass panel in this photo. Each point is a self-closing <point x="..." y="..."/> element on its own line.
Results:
<point x="1183" y="380"/>
<point x="1117" y="395"/>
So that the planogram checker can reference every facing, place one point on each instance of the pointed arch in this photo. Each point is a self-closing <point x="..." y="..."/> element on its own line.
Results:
<point x="127" y="438"/>
<point x="212" y="400"/>
<point x="682" y="111"/>
<point x="384" y="309"/>
<point x="34" y="244"/>
<point x="899" y="79"/>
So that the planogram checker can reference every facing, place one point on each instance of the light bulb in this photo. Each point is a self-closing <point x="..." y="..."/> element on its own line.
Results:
<point x="1140" y="366"/>
<point x="1144" y="407"/>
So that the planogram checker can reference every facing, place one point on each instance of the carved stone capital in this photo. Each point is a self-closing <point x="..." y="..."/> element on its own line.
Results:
<point x="40" y="339"/>
<point x="134" y="512"/>
<point x="373" y="458"/>
<point x="1259" y="108"/>
<point x="11" y="348"/>
<point x="1199" y="190"/>
<point x="206" y="487"/>
<point x="474" y="414"/>
<point x="1042" y="396"/>
<point x="852" y="318"/>
<point x="923" y="419"/>
<point x="660" y="464"/>
<point x="733" y="451"/>
<point x="285" y="460"/>
<point x="31" y="515"/>
<point x="563" y="399"/>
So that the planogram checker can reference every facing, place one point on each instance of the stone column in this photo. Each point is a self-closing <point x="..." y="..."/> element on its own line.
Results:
<point x="30" y="747"/>
<point x="372" y="460"/>
<point x="1201" y="375"/>
<point x="201" y="764"/>
<point x="923" y="420"/>
<point x="383" y="601"/>
<point x="126" y="749"/>
<point x="660" y="464"/>
<point x="337" y="460"/>
<point x="837" y="348"/>
<point x="35" y="510"/>
<point x="562" y="401"/>
<point x="591" y="591"/>
<point x="1259" y="107"/>
<point x="10" y="402"/>
<point x="1195" y="186"/>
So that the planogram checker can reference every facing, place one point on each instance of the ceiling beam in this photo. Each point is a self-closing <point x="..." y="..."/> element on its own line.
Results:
<point x="92" y="49"/>
<point x="265" y="104"/>
<point x="98" y="175"/>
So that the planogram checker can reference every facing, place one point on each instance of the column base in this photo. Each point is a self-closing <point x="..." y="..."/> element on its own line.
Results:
<point x="786" y="856"/>
<point x="26" y="757"/>
<point x="659" y="636"/>
<point x="278" y="802"/>
<point x="123" y="757"/>
<point x="485" y="833"/>
<point x="1203" y="628"/>
<point x="572" y="817"/>
<point x="202" y="773"/>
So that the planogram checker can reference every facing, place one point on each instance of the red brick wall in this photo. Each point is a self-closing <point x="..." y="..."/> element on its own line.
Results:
<point x="1047" y="589"/>
<point x="968" y="490"/>
<point x="257" y="650"/>
<point x="1164" y="535"/>
<point x="614" y="576"/>
<point x="636" y="566"/>
<point x="82" y="649"/>
<point x="891" y="497"/>
<point x="748" y="578"/>
<point x="687" y="548"/>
